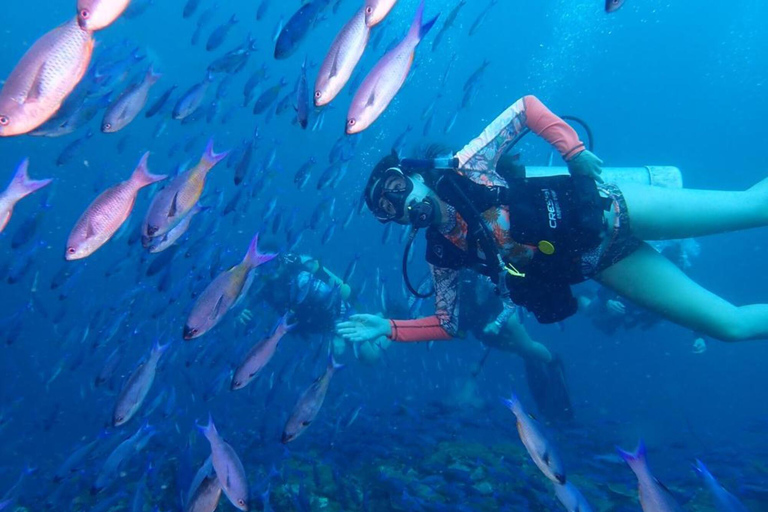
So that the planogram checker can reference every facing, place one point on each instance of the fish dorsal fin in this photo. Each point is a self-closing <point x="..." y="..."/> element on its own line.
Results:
<point x="371" y="99"/>
<point x="217" y="307"/>
<point x="335" y="66"/>
<point x="36" y="87"/>
<point x="89" y="231"/>
<point x="173" y="209"/>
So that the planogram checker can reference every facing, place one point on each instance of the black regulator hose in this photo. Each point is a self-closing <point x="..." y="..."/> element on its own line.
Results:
<point x="587" y="130"/>
<point x="406" y="252"/>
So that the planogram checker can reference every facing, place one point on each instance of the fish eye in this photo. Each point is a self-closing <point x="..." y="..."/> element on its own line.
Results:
<point x="85" y="14"/>
<point x="4" y="120"/>
<point x="318" y="94"/>
<point x="241" y="502"/>
<point x="352" y="122"/>
<point x="70" y="250"/>
<point x="369" y="10"/>
<point x="107" y="126"/>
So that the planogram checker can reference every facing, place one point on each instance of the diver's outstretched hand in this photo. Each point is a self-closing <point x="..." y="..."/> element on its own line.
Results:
<point x="360" y="328"/>
<point x="586" y="163"/>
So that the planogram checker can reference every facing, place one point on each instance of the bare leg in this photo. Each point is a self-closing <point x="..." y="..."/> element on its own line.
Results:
<point x="661" y="214"/>
<point x="652" y="281"/>
<point x="514" y="338"/>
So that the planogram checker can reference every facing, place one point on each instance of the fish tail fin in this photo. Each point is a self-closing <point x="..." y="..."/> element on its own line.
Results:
<point x="146" y="427"/>
<point x="152" y="77"/>
<point x="512" y="403"/>
<point x="253" y="257"/>
<point x="142" y="177"/>
<point x="210" y="158"/>
<point x="21" y="184"/>
<point x="332" y="364"/>
<point x="208" y="429"/>
<point x="158" y="350"/>
<point x="636" y="459"/>
<point x="419" y="29"/>
<point x="283" y="325"/>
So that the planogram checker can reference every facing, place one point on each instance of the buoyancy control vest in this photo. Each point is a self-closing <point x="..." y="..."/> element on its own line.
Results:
<point x="561" y="217"/>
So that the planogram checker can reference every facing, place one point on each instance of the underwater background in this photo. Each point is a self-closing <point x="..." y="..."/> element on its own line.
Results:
<point x="660" y="83"/>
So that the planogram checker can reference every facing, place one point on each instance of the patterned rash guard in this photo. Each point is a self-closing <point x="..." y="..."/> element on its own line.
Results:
<point x="477" y="161"/>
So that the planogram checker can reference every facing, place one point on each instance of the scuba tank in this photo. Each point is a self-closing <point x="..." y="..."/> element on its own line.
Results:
<point x="665" y="176"/>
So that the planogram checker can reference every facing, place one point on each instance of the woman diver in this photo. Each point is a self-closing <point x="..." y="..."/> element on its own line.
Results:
<point x="536" y="237"/>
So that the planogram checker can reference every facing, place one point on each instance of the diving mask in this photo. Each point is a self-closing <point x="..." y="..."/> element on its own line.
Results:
<point x="402" y="199"/>
<point x="389" y="196"/>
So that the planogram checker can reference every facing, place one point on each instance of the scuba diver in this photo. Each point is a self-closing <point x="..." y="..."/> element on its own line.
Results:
<point x="316" y="299"/>
<point x="537" y="237"/>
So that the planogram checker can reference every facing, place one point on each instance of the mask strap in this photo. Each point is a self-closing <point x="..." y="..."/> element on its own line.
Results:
<point x="448" y="162"/>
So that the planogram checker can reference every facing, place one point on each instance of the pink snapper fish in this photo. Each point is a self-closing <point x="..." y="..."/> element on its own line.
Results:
<point x="385" y="80"/>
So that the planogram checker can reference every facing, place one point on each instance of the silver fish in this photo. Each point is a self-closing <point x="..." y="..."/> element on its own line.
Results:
<point x="260" y="355"/>
<point x="341" y="60"/>
<point x="541" y="450"/>
<point x="125" y="109"/>
<point x="654" y="497"/>
<point x="138" y="385"/>
<point x="229" y="470"/>
<point x="309" y="403"/>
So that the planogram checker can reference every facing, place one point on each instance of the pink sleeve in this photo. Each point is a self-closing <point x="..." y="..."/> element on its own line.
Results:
<point x="422" y="329"/>
<point x="444" y="324"/>
<point x="551" y="128"/>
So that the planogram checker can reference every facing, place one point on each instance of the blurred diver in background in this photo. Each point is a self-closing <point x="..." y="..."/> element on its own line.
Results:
<point x="537" y="237"/>
<point x="317" y="299"/>
<point x="300" y="284"/>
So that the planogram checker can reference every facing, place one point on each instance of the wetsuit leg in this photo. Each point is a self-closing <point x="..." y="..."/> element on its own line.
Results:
<point x="652" y="281"/>
<point x="543" y="370"/>
<point x="657" y="213"/>
<point x="549" y="389"/>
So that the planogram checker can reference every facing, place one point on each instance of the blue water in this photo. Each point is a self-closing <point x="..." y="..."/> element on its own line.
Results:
<point x="660" y="83"/>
